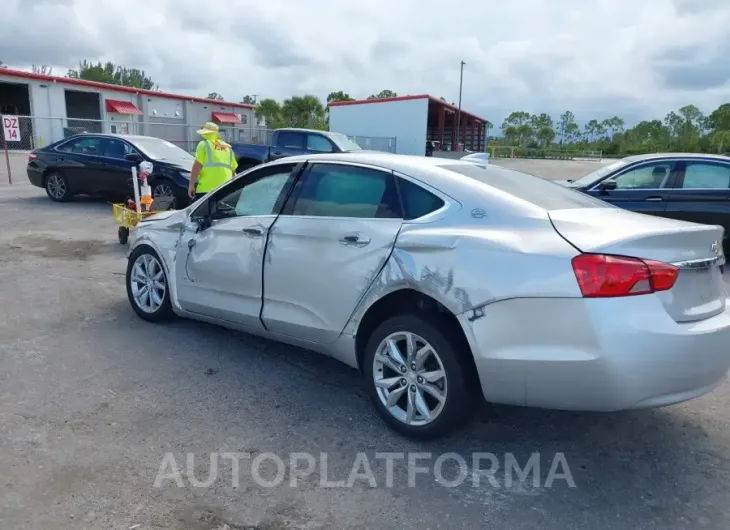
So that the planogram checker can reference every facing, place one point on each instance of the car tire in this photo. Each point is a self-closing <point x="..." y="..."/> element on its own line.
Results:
<point x="123" y="235"/>
<point x="180" y="197"/>
<point x="150" y="271"/>
<point x="456" y="386"/>
<point x="57" y="187"/>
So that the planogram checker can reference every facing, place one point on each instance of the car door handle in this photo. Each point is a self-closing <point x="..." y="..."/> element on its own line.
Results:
<point x="355" y="241"/>
<point x="277" y="153"/>
<point x="654" y="199"/>
<point x="253" y="232"/>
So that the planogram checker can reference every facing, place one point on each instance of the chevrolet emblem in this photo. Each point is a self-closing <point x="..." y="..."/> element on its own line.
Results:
<point x="715" y="247"/>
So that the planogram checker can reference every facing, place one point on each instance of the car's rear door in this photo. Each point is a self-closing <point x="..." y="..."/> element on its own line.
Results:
<point x="702" y="193"/>
<point x="78" y="159"/>
<point x="333" y="237"/>
<point x="643" y="188"/>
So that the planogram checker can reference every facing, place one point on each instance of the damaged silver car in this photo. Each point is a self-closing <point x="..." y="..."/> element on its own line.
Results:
<point x="445" y="283"/>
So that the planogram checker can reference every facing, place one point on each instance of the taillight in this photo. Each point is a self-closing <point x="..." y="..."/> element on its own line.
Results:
<point x="31" y="158"/>
<point x="602" y="276"/>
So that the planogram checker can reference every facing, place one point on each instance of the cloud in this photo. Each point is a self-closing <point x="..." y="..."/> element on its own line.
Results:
<point x="598" y="58"/>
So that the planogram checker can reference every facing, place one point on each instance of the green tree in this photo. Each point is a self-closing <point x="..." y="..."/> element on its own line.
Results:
<point x="270" y="111"/>
<point x="566" y="125"/>
<point x="114" y="74"/>
<point x="339" y="96"/>
<point x="383" y="94"/>
<point x="719" y="119"/>
<point x="42" y="69"/>
<point x="248" y="100"/>
<point x="303" y="111"/>
<point x="214" y="95"/>
<point x="518" y="128"/>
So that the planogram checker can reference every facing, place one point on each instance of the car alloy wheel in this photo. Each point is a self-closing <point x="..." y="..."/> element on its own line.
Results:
<point x="410" y="379"/>
<point x="56" y="187"/>
<point x="164" y="192"/>
<point x="147" y="283"/>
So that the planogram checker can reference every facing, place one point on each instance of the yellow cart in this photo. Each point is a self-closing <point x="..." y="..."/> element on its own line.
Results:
<point x="127" y="219"/>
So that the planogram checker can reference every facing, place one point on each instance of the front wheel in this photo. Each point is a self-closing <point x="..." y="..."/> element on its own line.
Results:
<point x="417" y="378"/>
<point x="147" y="287"/>
<point x="167" y="192"/>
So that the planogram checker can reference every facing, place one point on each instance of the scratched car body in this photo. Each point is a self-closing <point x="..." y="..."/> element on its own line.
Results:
<point x="445" y="283"/>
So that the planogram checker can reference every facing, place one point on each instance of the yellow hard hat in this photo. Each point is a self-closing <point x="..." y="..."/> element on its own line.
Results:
<point x="209" y="128"/>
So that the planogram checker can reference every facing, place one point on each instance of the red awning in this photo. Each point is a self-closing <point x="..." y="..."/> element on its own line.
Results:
<point x="122" y="107"/>
<point x="225" y="117"/>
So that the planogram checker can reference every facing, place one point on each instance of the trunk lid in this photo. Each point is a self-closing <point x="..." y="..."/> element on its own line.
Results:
<point x="696" y="249"/>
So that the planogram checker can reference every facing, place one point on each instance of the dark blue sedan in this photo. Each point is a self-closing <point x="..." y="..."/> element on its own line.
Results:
<point x="687" y="186"/>
<point x="101" y="165"/>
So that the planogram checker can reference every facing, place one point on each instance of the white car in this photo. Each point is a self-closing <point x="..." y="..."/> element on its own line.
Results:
<point x="446" y="283"/>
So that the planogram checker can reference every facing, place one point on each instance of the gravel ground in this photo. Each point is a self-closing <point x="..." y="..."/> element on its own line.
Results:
<point x="92" y="399"/>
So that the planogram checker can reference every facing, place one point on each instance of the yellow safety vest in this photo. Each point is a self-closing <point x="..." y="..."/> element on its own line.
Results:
<point x="218" y="167"/>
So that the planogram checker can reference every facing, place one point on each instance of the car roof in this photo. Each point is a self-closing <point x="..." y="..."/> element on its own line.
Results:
<point x="655" y="156"/>
<point x="128" y="137"/>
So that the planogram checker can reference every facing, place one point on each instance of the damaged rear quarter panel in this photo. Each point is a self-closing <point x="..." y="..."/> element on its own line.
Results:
<point x="468" y="267"/>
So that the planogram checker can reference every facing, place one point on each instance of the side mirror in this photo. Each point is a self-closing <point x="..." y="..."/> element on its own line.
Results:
<point x="133" y="157"/>
<point x="608" y="185"/>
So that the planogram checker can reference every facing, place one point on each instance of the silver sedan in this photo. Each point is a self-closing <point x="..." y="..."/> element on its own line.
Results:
<point x="444" y="283"/>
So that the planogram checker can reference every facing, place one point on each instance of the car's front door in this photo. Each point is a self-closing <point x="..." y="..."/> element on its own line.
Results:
<point x="219" y="267"/>
<point x="643" y="188"/>
<point x="288" y="143"/>
<point x="115" y="176"/>
<point x="334" y="235"/>
<point x="702" y="193"/>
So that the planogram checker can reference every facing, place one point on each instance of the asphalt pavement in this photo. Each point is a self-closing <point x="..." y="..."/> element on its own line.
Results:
<point x="95" y="402"/>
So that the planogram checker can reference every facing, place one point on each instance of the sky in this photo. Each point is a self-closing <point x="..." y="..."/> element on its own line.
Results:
<point x="637" y="59"/>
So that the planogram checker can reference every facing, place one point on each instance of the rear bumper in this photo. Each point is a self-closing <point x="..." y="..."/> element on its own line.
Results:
<point x="601" y="355"/>
<point x="35" y="176"/>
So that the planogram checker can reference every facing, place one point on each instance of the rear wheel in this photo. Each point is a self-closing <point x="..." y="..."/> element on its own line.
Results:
<point x="57" y="187"/>
<point x="417" y="378"/>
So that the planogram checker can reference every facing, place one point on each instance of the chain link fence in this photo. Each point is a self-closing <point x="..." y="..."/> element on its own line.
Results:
<point x="36" y="131"/>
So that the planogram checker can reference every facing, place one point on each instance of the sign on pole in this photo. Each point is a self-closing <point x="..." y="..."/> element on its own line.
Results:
<point x="11" y="133"/>
<point x="11" y="128"/>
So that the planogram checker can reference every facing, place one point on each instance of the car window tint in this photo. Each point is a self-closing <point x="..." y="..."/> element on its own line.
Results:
<point x="316" y="142"/>
<point x="87" y="146"/>
<point x="417" y="202"/>
<point x="291" y="140"/>
<point x="535" y="190"/>
<point x="113" y="148"/>
<point x="333" y="190"/>
<point x="702" y="175"/>
<point x="253" y="194"/>
<point x="647" y="177"/>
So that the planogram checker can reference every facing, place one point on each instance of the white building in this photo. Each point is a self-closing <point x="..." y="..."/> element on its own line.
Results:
<point x="58" y="106"/>
<point x="412" y="121"/>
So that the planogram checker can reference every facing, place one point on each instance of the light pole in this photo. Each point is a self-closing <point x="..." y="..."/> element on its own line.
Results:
<point x="458" y="115"/>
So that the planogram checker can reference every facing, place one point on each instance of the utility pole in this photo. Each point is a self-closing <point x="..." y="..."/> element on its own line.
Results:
<point x="458" y="115"/>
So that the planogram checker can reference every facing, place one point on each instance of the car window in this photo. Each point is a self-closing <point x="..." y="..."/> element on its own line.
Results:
<point x="291" y="140"/>
<point x="535" y="190"/>
<point x="417" y="202"/>
<point x="316" y="142"/>
<point x="87" y="146"/>
<point x="113" y="148"/>
<point x="251" y="194"/>
<point x="335" y="190"/>
<point x="647" y="177"/>
<point x="706" y="176"/>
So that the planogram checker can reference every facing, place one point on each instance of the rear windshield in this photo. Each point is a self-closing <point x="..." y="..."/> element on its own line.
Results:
<point x="535" y="190"/>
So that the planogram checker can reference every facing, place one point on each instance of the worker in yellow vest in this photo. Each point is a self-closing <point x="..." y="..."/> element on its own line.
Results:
<point x="214" y="164"/>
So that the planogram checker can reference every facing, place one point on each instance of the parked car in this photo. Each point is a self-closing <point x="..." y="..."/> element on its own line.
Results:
<point x="444" y="282"/>
<point x="291" y="142"/>
<point x="101" y="164"/>
<point x="691" y="187"/>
